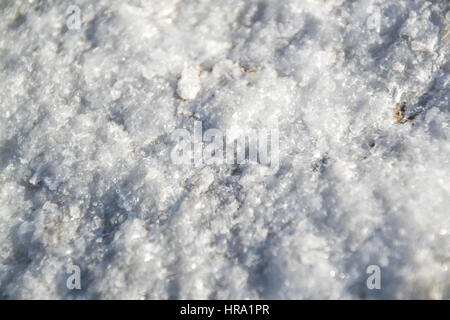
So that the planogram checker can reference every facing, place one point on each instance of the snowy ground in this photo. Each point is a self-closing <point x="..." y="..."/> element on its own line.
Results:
<point x="86" y="176"/>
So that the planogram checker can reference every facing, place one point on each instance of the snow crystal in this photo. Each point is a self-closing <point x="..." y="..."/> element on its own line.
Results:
<point x="90" y="100"/>
<point x="189" y="84"/>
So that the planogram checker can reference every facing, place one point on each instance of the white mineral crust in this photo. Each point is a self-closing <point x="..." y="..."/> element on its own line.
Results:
<point x="86" y="179"/>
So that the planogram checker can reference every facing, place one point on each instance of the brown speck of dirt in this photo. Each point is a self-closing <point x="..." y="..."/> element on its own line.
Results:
<point x="400" y="113"/>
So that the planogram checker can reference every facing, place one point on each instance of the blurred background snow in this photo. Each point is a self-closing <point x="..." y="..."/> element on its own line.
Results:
<point x="85" y="171"/>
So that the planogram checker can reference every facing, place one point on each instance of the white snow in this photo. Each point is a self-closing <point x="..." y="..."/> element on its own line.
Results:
<point x="85" y="140"/>
<point x="189" y="84"/>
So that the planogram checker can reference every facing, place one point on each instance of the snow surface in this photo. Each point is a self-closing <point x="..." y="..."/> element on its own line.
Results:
<point x="85" y="171"/>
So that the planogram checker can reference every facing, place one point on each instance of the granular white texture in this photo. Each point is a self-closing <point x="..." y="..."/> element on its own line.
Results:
<point x="189" y="84"/>
<point x="86" y="176"/>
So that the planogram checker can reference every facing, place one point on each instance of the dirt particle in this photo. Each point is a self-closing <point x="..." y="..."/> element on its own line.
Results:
<point x="400" y="113"/>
